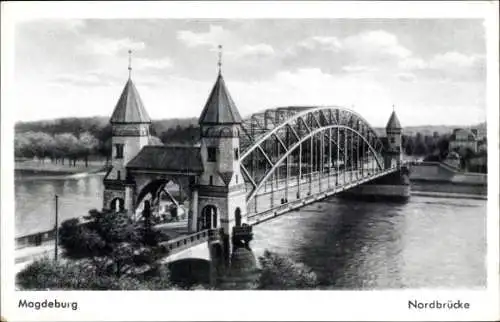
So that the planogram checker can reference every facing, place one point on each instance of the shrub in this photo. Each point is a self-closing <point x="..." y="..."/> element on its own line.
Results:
<point x="281" y="273"/>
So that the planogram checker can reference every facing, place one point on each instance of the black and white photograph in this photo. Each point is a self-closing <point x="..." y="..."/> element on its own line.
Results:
<point x="218" y="153"/>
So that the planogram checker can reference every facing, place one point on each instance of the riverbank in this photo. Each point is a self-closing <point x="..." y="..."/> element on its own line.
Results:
<point x="33" y="169"/>
<point x="450" y="195"/>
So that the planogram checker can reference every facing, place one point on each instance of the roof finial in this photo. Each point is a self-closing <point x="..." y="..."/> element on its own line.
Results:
<point x="129" y="63"/>
<point x="219" y="63"/>
<point x="393" y="107"/>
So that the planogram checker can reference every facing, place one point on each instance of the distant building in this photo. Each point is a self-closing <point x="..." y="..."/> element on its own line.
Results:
<point x="462" y="139"/>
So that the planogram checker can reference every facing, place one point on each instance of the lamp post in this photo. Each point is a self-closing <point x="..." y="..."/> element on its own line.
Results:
<point x="56" y="241"/>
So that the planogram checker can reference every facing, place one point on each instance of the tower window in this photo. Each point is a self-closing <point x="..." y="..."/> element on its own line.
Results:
<point x="119" y="151"/>
<point x="212" y="154"/>
<point x="118" y="175"/>
<point x="393" y="140"/>
<point x="236" y="154"/>
<point x="236" y="178"/>
<point x="211" y="180"/>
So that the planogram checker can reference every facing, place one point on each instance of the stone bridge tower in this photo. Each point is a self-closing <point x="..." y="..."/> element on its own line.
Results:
<point x="393" y="155"/>
<point x="222" y="195"/>
<point x="130" y="125"/>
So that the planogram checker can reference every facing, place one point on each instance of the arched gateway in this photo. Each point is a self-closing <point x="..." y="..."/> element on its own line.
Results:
<point x="209" y="173"/>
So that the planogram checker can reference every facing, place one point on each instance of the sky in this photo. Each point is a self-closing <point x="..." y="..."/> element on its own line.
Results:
<point x="432" y="70"/>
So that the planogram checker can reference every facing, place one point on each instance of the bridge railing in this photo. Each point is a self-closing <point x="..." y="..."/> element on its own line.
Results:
<point x="184" y="242"/>
<point x="255" y="216"/>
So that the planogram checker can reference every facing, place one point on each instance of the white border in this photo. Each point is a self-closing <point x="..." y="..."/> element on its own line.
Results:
<point x="244" y="305"/>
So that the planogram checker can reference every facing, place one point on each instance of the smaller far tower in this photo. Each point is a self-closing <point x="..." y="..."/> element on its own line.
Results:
<point x="393" y="156"/>
<point x="130" y="124"/>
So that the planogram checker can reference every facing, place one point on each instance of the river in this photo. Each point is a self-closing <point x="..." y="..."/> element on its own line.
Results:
<point x="426" y="242"/>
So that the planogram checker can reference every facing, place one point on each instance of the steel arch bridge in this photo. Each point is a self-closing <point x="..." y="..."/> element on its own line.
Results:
<point x="295" y="155"/>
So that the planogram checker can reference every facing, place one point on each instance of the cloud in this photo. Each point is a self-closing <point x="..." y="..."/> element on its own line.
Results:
<point x="407" y="77"/>
<point x="358" y="69"/>
<point x="259" y="50"/>
<point x="213" y="37"/>
<point x="312" y="86"/>
<point x="111" y="47"/>
<point x="146" y="63"/>
<point x="452" y="60"/>
<point x="65" y="25"/>
<point x="375" y="43"/>
<point x="362" y="52"/>
<point x="95" y="78"/>
<point x="366" y="45"/>
<point x="412" y="63"/>
<point x="449" y="65"/>
<point x="321" y="42"/>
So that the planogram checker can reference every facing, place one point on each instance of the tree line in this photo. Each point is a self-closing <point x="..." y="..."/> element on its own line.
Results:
<point x="424" y="145"/>
<point x="72" y="139"/>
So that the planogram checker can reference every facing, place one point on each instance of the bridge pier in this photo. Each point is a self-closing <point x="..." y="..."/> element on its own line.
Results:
<point x="394" y="186"/>
<point x="241" y="273"/>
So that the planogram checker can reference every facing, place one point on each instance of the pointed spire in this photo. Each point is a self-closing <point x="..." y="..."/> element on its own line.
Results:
<point x="219" y="63"/>
<point x="129" y="63"/>
<point x="393" y="122"/>
<point x="129" y="108"/>
<point x="220" y="107"/>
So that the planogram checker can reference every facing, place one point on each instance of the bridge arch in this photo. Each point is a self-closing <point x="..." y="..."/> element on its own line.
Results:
<point x="152" y="187"/>
<point x="295" y="147"/>
<point x="284" y="130"/>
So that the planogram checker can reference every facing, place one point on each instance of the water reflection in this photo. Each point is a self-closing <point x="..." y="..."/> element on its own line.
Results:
<point x="35" y="205"/>
<point x="426" y="242"/>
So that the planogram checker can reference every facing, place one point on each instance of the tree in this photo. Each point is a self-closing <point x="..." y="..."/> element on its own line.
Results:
<point x="114" y="241"/>
<point x="88" y="144"/>
<point x="443" y="144"/>
<point x="46" y="274"/>
<point x="111" y="248"/>
<point x="22" y="146"/>
<point x="66" y="145"/>
<point x="281" y="273"/>
<point x="409" y="146"/>
<point x="35" y="144"/>
<point x="420" y="146"/>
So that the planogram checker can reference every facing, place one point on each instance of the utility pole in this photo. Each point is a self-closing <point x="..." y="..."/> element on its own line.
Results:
<point x="56" y="241"/>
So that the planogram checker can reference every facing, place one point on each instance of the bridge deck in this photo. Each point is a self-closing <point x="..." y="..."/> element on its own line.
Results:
<point x="184" y="242"/>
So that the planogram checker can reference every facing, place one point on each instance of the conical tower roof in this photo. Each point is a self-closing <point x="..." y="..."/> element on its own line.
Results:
<point x="130" y="108"/>
<point x="393" y="122"/>
<point x="220" y="107"/>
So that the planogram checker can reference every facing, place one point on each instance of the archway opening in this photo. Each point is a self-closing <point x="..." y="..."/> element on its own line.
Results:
<point x="209" y="217"/>
<point x="237" y="216"/>
<point x="167" y="199"/>
<point x="117" y="204"/>
<point x="190" y="272"/>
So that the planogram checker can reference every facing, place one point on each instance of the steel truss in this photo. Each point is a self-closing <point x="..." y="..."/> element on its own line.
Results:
<point x="304" y="149"/>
